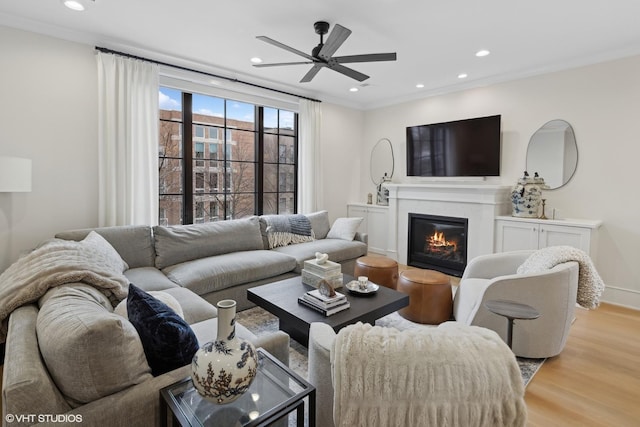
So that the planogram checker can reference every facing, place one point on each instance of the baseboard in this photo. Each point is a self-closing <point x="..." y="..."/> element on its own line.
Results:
<point x="623" y="297"/>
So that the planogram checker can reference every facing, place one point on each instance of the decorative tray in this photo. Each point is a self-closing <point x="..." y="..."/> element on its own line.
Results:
<point x="354" y="287"/>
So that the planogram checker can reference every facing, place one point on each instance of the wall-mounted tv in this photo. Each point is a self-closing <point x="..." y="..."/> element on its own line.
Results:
<point x="460" y="148"/>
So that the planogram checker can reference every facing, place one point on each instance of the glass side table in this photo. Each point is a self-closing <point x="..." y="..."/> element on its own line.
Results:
<point x="275" y="392"/>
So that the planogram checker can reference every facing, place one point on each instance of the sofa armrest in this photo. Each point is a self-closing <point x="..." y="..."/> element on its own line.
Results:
<point x="276" y="343"/>
<point x="140" y="405"/>
<point x="321" y="339"/>
<point x="361" y="237"/>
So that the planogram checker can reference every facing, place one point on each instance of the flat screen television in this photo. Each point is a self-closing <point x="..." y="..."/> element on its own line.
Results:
<point x="460" y="148"/>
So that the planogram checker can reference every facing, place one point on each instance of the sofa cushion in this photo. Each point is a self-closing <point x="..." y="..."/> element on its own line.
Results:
<point x="134" y="243"/>
<point x="168" y="341"/>
<point x="89" y="351"/>
<point x="195" y="308"/>
<point x="149" y="279"/>
<point x="283" y="230"/>
<point x="339" y="250"/>
<point x="180" y="243"/>
<point x="320" y="223"/>
<point x="344" y="228"/>
<point x="224" y="271"/>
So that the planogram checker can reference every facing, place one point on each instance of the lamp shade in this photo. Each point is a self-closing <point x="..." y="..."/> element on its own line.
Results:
<point x="15" y="175"/>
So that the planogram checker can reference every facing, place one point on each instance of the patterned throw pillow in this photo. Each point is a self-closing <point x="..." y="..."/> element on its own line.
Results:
<point x="168" y="341"/>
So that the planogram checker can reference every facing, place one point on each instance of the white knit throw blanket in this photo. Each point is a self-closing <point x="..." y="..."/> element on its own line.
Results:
<point x="55" y="263"/>
<point x="590" y="285"/>
<point x="453" y="375"/>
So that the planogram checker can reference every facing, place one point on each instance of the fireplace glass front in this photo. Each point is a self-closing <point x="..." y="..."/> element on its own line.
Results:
<point x="438" y="243"/>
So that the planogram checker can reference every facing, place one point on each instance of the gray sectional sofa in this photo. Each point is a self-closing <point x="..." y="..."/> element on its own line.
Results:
<point x="69" y="353"/>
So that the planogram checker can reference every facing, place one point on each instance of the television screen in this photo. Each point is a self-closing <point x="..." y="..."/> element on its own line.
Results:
<point x="460" y="148"/>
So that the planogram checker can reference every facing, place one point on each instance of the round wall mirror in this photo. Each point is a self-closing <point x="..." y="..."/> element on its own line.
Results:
<point x="553" y="153"/>
<point x="381" y="166"/>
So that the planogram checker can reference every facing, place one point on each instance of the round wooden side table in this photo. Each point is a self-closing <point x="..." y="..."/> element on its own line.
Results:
<point x="430" y="296"/>
<point x="379" y="269"/>
<point x="511" y="310"/>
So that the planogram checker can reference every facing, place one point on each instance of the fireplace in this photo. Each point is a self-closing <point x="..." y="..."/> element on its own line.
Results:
<point x="438" y="243"/>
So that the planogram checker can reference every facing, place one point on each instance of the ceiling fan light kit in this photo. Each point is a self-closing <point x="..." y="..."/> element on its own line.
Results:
<point x="322" y="55"/>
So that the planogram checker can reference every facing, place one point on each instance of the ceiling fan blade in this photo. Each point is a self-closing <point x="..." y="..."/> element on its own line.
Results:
<point x="285" y="47"/>
<point x="312" y="72"/>
<point x="277" y="64"/>
<point x="349" y="72"/>
<point x="372" y="57"/>
<point x="337" y="36"/>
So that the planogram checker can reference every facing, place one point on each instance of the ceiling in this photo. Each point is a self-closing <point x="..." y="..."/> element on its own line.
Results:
<point x="435" y="40"/>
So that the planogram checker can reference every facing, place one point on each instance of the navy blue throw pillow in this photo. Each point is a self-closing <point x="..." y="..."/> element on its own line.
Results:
<point x="168" y="341"/>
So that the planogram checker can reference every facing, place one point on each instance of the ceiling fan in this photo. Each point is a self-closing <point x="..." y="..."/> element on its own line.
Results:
<point x="321" y="55"/>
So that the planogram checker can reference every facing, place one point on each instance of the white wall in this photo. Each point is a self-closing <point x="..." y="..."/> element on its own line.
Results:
<point x="48" y="113"/>
<point x="602" y="103"/>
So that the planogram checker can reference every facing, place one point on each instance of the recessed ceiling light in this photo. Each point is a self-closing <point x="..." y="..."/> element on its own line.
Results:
<point x="256" y="60"/>
<point x="462" y="75"/>
<point x="353" y="89"/>
<point x="482" y="52"/>
<point x="419" y="85"/>
<point x="77" y="5"/>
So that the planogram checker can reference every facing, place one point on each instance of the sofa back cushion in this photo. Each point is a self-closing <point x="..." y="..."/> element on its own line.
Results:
<point x="90" y="351"/>
<point x="180" y="243"/>
<point x="134" y="243"/>
<point x="319" y="223"/>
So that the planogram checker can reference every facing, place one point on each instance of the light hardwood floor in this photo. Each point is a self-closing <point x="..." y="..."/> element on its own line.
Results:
<point x="595" y="381"/>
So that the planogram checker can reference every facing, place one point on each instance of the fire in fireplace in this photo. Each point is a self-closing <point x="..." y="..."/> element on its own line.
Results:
<point x="438" y="243"/>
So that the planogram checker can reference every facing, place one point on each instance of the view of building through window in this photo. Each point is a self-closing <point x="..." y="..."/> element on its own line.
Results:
<point x="224" y="159"/>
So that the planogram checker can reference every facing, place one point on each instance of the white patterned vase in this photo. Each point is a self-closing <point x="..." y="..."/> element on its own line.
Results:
<point x="223" y="370"/>
<point x="527" y="196"/>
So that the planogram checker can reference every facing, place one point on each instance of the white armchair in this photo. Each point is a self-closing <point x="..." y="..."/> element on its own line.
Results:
<point x="552" y="293"/>
<point x="445" y="376"/>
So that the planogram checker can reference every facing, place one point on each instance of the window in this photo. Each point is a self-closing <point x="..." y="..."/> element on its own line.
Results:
<point x="243" y="158"/>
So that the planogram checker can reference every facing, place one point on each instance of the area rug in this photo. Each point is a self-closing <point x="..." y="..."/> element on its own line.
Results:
<point x="260" y="322"/>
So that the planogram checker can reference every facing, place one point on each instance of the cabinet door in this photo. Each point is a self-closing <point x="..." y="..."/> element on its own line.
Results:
<point x="359" y="211"/>
<point x="377" y="227"/>
<point x="515" y="236"/>
<point x="557" y="235"/>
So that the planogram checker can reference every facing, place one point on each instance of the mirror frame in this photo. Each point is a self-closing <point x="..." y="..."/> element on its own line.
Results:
<point x="532" y="169"/>
<point x="378" y="180"/>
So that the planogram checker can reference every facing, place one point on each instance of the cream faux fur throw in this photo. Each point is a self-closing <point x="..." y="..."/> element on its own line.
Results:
<point x="452" y="375"/>
<point x="57" y="262"/>
<point x="590" y="285"/>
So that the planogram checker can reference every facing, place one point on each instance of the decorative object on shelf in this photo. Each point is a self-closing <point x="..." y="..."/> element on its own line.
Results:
<point x="526" y="196"/>
<point x="383" y="192"/>
<point x="224" y="369"/>
<point x="542" y="215"/>
<point x="369" y="199"/>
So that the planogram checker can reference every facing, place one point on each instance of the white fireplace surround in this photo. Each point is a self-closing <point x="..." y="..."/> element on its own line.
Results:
<point x="479" y="203"/>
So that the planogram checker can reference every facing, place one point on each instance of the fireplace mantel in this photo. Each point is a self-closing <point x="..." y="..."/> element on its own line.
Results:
<point x="479" y="203"/>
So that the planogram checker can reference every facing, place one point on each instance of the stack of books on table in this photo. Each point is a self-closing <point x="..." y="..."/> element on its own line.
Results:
<point x="313" y="273"/>
<point x="325" y="305"/>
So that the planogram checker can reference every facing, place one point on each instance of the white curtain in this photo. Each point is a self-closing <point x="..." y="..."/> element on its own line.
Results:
<point x="310" y="193"/>
<point x="128" y="141"/>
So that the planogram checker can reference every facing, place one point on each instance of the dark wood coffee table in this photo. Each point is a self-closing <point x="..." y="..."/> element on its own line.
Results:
<point x="281" y="299"/>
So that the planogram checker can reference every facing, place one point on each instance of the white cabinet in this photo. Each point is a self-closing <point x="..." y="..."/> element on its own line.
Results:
<point x="514" y="234"/>
<point x="375" y="223"/>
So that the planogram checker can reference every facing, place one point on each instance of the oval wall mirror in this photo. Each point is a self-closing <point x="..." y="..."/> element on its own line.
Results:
<point x="381" y="161"/>
<point x="553" y="153"/>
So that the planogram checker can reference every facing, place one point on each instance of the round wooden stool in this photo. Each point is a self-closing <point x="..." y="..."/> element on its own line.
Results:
<point x="430" y="296"/>
<point x="379" y="269"/>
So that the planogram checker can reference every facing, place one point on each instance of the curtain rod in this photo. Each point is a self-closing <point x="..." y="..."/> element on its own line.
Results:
<point x="128" y="55"/>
